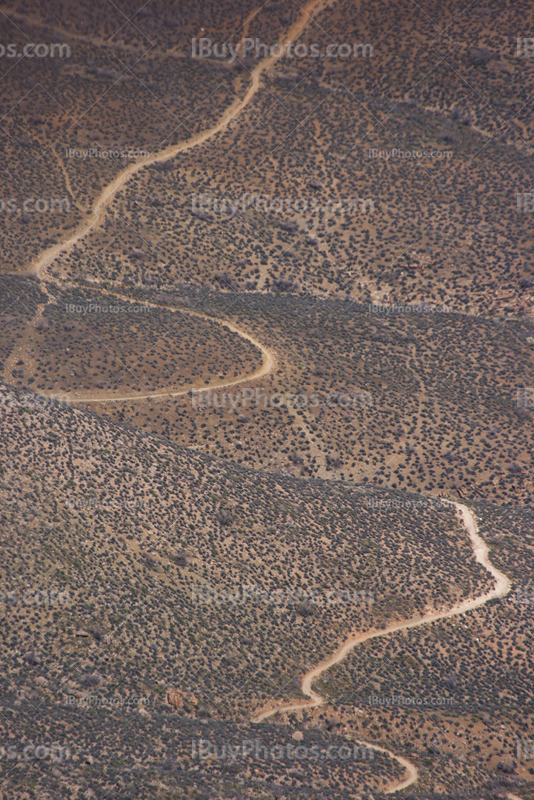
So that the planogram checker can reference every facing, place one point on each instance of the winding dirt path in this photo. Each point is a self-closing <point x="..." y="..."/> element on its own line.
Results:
<point x="42" y="263"/>
<point x="501" y="588"/>
<point x="480" y="550"/>
<point x="268" y="362"/>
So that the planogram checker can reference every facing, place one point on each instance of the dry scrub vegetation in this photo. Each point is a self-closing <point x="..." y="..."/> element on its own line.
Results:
<point x="132" y="527"/>
<point x="128" y="529"/>
<point x="477" y="665"/>
<point x="443" y="419"/>
<point x="138" y="511"/>
<point x="127" y="348"/>
<point x="444" y="230"/>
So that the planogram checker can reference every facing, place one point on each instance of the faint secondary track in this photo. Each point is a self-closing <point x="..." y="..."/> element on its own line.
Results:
<point x="502" y="587"/>
<point x="98" y="41"/>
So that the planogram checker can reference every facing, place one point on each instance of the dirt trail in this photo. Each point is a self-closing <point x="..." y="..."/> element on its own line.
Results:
<point x="501" y="588"/>
<point x="486" y="134"/>
<point x="246" y="25"/>
<point x="96" y="41"/>
<point x="268" y="360"/>
<point x="40" y="266"/>
<point x="43" y="262"/>
<point x="68" y="184"/>
<point x="266" y="367"/>
<point x="480" y="550"/>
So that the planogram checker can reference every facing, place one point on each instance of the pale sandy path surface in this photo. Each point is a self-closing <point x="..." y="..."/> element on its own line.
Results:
<point x="40" y="266"/>
<point x="501" y="588"/>
<point x="266" y="367"/>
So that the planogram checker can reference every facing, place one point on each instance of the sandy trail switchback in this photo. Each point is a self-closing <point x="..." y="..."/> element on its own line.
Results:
<point x="501" y="588"/>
